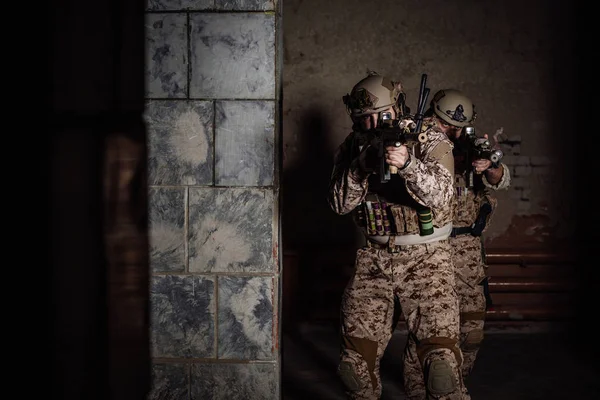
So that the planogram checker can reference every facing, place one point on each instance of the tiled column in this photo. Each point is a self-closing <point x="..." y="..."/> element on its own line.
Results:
<point x="212" y="74"/>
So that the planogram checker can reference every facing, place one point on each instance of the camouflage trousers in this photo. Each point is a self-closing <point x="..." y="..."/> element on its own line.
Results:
<point x="470" y="271"/>
<point x="422" y="278"/>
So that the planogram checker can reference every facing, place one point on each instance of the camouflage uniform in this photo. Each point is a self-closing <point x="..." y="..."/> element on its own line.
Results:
<point x="469" y="256"/>
<point x="420" y="276"/>
<point x="469" y="262"/>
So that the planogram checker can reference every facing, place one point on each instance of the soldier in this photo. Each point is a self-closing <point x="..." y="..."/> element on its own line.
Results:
<point x="475" y="178"/>
<point x="398" y="261"/>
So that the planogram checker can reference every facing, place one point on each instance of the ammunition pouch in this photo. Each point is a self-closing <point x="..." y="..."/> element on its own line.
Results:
<point x="382" y="219"/>
<point x="375" y="216"/>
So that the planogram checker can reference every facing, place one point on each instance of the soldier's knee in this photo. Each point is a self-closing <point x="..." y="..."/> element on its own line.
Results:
<point x="440" y="358"/>
<point x="357" y="366"/>
<point x="439" y="373"/>
<point x="354" y="372"/>
<point x="472" y="340"/>
<point x="440" y="378"/>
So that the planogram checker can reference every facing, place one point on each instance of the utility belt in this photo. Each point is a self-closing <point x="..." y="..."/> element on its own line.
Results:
<point x="394" y="243"/>
<point x="395" y="249"/>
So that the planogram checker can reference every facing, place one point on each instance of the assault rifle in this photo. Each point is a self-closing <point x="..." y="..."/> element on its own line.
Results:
<point x="394" y="132"/>
<point x="480" y="148"/>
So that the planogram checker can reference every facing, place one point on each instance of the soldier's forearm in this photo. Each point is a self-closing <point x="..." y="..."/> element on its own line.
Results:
<point x="494" y="175"/>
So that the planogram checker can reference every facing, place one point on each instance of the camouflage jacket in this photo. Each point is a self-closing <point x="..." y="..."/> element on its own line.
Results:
<point x="471" y="190"/>
<point x="424" y="182"/>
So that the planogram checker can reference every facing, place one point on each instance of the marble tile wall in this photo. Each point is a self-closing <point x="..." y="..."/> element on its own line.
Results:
<point x="211" y="115"/>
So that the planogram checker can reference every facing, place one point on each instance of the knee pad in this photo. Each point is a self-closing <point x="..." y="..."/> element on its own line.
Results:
<point x="353" y="372"/>
<point x="439" y="375"/>
<point x="472" y="340"/>
<point x="440" y="378"/>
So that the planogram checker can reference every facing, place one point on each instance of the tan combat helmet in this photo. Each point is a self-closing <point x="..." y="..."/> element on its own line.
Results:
<point x="453" y="107"/>
<point x="374" y="94"/>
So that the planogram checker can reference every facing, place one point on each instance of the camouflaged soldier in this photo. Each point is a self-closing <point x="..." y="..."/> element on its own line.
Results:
<point x="397" y="262"/>
<point x="475" y="179"/>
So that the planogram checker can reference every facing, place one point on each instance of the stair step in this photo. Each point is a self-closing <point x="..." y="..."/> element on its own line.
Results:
<point x="520" y="312"/>
<point x="549" y="271"/>
<point x="498" y="326"/>
<point x="524" y="287"/>
<point x="530" y="284"/>
<point x="529" y="257"/>
<point x="528" y="299"/>
<point x="538" y="271"/>
<point x="499" y="312"/>
<point x="505" y="284"/>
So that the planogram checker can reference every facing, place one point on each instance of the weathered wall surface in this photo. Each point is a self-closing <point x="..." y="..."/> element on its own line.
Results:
<point x="513" y="58"/>
<point x="212" y="83"/>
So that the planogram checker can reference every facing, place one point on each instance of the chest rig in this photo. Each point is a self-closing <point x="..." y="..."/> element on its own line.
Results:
<point x="389" y="209"/>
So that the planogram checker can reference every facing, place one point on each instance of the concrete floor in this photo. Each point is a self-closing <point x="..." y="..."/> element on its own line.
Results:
<point x="528" y="364"/>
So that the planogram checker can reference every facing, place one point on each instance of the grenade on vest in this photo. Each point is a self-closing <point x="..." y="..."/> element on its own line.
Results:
<point x="425" y="221"/>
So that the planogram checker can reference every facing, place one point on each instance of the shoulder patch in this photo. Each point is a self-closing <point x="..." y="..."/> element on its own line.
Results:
<point x="440" y="150"/>
<point x="442" y="153"/>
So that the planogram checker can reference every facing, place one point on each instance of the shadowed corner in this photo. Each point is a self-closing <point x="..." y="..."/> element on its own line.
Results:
<point x="308" y="224"/>
<point x="575" y="163"/>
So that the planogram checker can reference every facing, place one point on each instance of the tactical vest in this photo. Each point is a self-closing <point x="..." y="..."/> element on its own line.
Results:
<point x="389" y="208"/>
